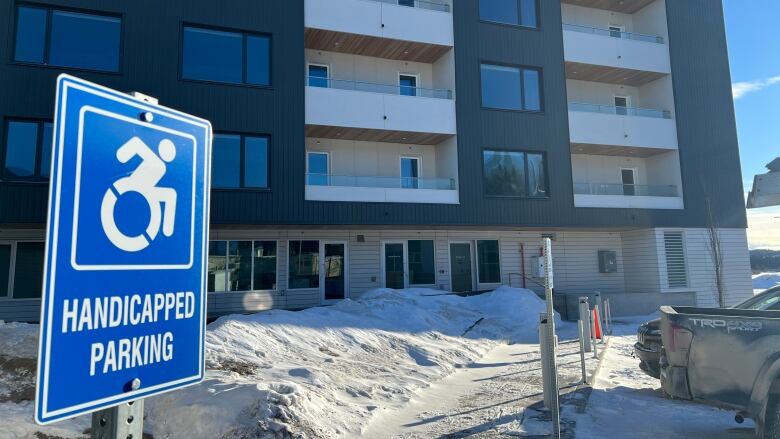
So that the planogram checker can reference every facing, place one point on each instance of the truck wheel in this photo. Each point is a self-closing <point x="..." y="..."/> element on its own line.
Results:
<point x="772" y="420"/>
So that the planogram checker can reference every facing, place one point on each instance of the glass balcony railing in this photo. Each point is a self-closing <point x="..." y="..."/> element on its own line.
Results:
<point x="342" y="84"/>
<point x="422" y="4"/>
<point x="613" y="33"/>
<point x="620" y="111"/>
<point x="380" y="182"/>
<point x="631" y="190"/>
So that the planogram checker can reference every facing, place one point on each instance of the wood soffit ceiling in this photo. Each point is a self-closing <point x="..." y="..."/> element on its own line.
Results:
<point x="332" y="41"/>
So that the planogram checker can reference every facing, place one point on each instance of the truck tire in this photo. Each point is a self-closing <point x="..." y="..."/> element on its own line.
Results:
<point x="772" y="419"/>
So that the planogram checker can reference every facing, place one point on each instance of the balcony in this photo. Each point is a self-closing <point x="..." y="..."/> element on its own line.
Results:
<point x="604" y="55"/>
<point x="609" y="130"/>
<point x="627" y="196"/>
<point x="377" y="189"/>
<point x="411" y="30"/>
<point x="355" y="110"/>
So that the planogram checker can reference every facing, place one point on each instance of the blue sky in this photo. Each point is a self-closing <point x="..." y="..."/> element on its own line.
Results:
<point x="754" y="54"/>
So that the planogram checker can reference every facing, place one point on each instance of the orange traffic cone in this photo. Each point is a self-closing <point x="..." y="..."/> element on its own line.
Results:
<point x="597" y="324"/>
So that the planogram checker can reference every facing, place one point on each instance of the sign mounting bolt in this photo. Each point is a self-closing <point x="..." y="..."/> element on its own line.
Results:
<point x="147" y="116"/>
<point x="135" y="384"/>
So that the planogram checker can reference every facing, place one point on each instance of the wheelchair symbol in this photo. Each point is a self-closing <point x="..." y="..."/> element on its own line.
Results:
<point x="143" y="180"/>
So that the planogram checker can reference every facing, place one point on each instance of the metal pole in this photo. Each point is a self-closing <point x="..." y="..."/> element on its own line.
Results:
<point x="585" y="317"/>
<point x="599" y="301"/>
<point x="125" y="421"/>
<point x="550" y="337"/>
<point x="545" y="359"/>
<point x="607" y="317"/>
<point x="581" y="333"/>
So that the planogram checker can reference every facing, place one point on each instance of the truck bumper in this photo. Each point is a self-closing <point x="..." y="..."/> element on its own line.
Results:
<point x="674" y="380"/>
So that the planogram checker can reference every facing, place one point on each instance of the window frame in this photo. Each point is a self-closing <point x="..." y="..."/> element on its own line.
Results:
<point x="37" y="178"/>
<point x="477" y="260"/>
<point x="12" y="268"/>
<point x="525" y="153"/>
<point x="47" y="43"/>
<point x="244" y="34"/>
<point x="242" y="162"/>
<point x="252" y="280"/>
<point x="519" y="18"/>
<point x="521" y="68"/>
<point x="319" y="271"/>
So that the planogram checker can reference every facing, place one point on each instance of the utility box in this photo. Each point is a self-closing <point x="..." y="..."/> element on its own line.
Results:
<point x="537" y="266"/>
<point x="607" y="261"/>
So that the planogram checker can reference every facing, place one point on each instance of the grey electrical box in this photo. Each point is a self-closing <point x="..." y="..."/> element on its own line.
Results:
<point x="607" y="261"/>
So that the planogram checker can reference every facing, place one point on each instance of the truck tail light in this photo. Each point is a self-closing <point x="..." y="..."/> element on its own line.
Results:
<point x="681" y="339"/>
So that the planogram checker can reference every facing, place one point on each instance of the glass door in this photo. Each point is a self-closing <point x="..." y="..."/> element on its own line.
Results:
<point x="410" y="172"/>
<point x="333" y="272"/>
<point x="621" y="105"/>
<point x="629" y="181"/>
<point x="394" y="265"/>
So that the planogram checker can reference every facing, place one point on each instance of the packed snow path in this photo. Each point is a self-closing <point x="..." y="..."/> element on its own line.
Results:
<point x="498" y="396"/>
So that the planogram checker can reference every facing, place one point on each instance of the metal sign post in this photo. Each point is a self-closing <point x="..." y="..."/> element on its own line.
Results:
<point x="585" y="319"/>
<point x="549" y="341"/>
<point x="581" y="334"/>
<point x="124" y="305"/>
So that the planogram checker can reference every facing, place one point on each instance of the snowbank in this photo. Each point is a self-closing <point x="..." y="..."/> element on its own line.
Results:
<point x="765" y="281"/>
<point x="317" y="373"/>
<point x="282" y="373"/>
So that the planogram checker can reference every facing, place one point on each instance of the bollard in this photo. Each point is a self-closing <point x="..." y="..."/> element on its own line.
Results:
<point x="585" y="319"/>
<point x="581" y="333"/>
<point x="608" y="316"/>
<point x="598" y="301"/>
<point x="593" y="336"/>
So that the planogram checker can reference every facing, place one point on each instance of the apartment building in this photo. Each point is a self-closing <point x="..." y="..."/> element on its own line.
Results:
<point x="409" y="143"/>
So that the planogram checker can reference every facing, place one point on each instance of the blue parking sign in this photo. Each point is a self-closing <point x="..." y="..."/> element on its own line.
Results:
<point x="123" y="310"/>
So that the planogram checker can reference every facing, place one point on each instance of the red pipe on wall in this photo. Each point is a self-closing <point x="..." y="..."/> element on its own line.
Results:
<point x="522" y="263"/>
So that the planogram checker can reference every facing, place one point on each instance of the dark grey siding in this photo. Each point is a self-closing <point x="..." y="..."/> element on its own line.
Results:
<point x="150" y="65"/>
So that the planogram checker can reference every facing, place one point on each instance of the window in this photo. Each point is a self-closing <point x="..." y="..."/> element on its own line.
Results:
<point x="422" y="270"/>
<point x="675" y="260"/>
<point x="317" y="168"/>
<point x="410" y="172"/>
<point x="514" y="174"/>
<point x="28" y="270"/>
<point x="409" y="3"/>
<point x="488" y="262"/>
<point x="27" y="150"/>
<point x="517" y="12"/>
<point x="5" y="269"/>
<point x="318" y="76"/>
<point x="511" y="88"/>
<point x="407" y="85"/>
<point x="230" y="57"/>
<point x="67" y="39"/>
<point x="304" y="264"/>
<point x="239" y="161"/>
<point x="242" y="266"/>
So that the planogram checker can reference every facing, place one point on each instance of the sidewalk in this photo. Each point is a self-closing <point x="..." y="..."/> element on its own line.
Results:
<point x="498" y="396"/>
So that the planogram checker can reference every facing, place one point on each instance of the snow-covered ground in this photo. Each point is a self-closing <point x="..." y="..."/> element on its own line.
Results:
<point x="321" y="372"/>
<point x="626" y="403"/>
<point x="764" y="281"/>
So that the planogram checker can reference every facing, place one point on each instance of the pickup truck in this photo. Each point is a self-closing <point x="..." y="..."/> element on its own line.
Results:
<point x="724" y="357"/>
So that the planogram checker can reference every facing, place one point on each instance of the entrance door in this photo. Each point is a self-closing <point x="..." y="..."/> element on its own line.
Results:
<point x="629" y="181"/>
<point x="333" y="273"/>
<point x="394" y="265"/>
<point x="460" y="267"/>
<point x="621" y="105"/>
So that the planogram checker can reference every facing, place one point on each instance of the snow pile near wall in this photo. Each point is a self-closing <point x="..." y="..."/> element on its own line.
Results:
<point x="765" y="281"/>
<point x="323" y="371"/>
